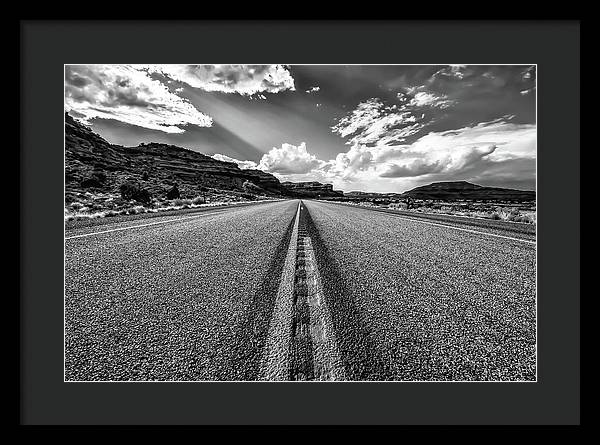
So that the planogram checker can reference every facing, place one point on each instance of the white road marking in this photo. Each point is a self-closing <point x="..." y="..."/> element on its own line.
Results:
<point x="326" y="357"/>
<point x="139" y="225"/>
<point x="464" y="230"/>
<point x="276" y="356"/>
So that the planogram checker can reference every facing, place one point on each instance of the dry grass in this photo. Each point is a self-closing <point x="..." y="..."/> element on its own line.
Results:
<point x="500" y="214"/>
<point x="506" y="213"/>
<point x="513" y="215"/>
<point x="105" y="207"/>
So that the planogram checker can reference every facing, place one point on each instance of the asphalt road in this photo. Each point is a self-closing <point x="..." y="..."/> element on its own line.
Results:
<point x="186" y="298"/>
<point x="191" y="296"/>
<point x="415" y="301"/>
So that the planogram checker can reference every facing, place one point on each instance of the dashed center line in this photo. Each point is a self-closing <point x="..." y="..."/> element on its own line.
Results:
<point x="276" y="354"/>
<point x="315" y="355"/>
<point x="301" y="344"/>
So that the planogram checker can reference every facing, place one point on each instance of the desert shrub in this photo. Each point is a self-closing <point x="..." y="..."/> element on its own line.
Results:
<point x="128" y="190"/>
<point x="131" y="191"/>
<point x="526" y="218"/>
<point x="249" y="186"/>
<point x="163" y="203"/>
<point x="143" y="196"/>
<point x="182" y="202"/>
<point x="173" y="193"/>
<point x="95" y="180"/>
<point x="96" y="206"/>
<point x="137" y="209"/>
<point x="99" y="175"/>
<point x="90" y="183"/>
<point x="513" y="215"/>
<point x="77" y="205"/>
<point x="531" y="217"/>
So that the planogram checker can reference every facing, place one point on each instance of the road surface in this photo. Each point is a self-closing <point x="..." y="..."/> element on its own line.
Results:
<point x="290" y="291"/>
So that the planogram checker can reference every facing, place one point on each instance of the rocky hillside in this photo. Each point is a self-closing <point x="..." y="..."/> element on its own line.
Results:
<point x="462" y="190"/>
<point x="93" y="164"/>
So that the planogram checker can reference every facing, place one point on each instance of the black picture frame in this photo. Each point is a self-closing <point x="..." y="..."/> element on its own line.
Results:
<point x="47" y="45"/>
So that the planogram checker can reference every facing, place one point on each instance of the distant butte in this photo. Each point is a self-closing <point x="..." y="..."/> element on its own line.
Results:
<point x="463" y="190"/>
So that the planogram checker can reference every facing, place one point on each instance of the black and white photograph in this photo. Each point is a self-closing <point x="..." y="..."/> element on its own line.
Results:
<point x="300" y="223"/>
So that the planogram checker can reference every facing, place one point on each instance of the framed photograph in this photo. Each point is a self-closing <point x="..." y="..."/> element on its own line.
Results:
<point x="339" y="228"/>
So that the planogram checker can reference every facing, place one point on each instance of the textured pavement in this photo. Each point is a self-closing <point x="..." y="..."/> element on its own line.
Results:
<point x="413" y="301"/>
<point x="191" y="296"/>
<point x="186" y="300"/>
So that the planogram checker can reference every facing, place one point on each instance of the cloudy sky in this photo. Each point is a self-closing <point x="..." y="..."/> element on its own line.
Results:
<point x="382" y="128"/>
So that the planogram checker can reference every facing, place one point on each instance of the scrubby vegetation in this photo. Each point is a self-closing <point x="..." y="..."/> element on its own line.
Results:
<point x="150" y="172"/>
<point x="505" y="211"/>
<point x="132" y="191"/>
<point x="173" y="193"/>
<point x="134" y="199"/>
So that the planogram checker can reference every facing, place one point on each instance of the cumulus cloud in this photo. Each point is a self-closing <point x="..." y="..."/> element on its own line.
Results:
<point x="390" y="141"/>
<point x="464" y="153"/>
<point x="416" y="167"/>
<point x="244" y="165"/>
<point x="129" y="95"/>
<point x="454" y="151"/>
<point x="448" y="153"/>
<point x="241" y="79"/>
<point x="414" y="162"/>
<point x="289" y="159"/>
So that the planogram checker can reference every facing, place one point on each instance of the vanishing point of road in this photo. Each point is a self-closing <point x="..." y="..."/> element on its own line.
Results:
<point x="299" y="290"/>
